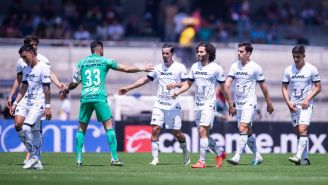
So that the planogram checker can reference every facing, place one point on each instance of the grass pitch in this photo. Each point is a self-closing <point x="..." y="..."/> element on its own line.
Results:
<point x="59" y="168"/>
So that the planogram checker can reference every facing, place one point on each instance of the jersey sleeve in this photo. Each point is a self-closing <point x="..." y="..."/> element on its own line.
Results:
<point x="152" y="75"/>
<point x="220" y="75"/>
<point x="183" y="74"/>
<point x="112" y="64"/>
<point x="315" y="75"/>
<point x="259" y="76"/>
<point x="45" y="78"/>
<point x="285" y="77"/>
<point x="20" y="67"/>
<point x="76" y="74"/>
<point x="191" y="75"/>
<point x="231" y="73"/>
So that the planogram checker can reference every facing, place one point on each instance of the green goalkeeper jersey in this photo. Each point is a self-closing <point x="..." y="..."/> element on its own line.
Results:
<point x="91" y="72"/>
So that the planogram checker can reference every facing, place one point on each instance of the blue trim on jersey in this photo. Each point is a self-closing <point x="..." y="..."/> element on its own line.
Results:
<point x="221" y="82"/>
<point x="260" y="81"/>
<point x="46" y="84"/>
<point x="316" y="81"/>
<point x="192" y="80"/>
<point x="286" y="83"/>
<point x="231" y="76"/>
<point x="183" y="79"/>
<point x="150" y="78"/>
<point x="24" y="82"/>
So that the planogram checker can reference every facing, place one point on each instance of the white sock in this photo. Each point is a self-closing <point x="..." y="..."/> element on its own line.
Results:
<point x="305" y="154"/>
<point x="301" y="146"/>
<point x="214" y="147"/>
<point x="37" y="138"/>
<point x="183" y="146"/>
<point x="30" y="146"/>
<point x="154" y="148"/>
<point x="203" y="149"/>
<point x="251" y="143"/>
<point x="242" y="140"/>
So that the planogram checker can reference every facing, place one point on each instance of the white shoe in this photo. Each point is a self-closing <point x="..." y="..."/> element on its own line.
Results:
<point x="25" y="160"/>
<point x="154" y="162"/>
<point x="295" y="159"/>
<point x="30" y="163"/>
<point x="38" y="165"/>
<point x="233" y="161"/>
<point x="186" y="158"/>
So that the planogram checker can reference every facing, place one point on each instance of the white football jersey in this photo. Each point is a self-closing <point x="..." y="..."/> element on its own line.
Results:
<point x="205" y="78"/>
<point x="246" y="77"/>
<point x="300" y="81"/>
<point x="35" y="78"/>
<point x="21" y="64"/>
<point x="167" y="75"/>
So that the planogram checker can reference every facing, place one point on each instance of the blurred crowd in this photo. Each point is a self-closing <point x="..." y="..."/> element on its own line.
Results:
<point x="206" y="20"/>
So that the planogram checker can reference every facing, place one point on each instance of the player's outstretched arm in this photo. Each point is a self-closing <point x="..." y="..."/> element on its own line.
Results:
<point x="142" y="81"/>
<point x="185" y="86"/>
<point x="134" y="69"/>
<point x="267" y="97"/>
<point x="54" y="79"/>
<point x="226" y="92"/>
<point x="19" y="97"/>
<point x="13" y="89"/>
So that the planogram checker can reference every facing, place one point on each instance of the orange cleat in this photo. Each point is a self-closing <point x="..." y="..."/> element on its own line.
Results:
<point x="219" y="159"/>
<point x="199" y="164"/>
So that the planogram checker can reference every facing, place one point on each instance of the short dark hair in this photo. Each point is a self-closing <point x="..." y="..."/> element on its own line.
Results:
<point x="171" y="46"/>
<point x="27" y="47"/>
<point x="248" y="46"/>
<point x="30" y="38"/>
<point x="209" y="48"/>
<point x="94" y="44"/>
<point x="299" y="49"/>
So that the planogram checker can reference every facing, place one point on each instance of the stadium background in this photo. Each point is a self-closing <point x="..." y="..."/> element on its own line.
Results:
<point x="133" y="32"/>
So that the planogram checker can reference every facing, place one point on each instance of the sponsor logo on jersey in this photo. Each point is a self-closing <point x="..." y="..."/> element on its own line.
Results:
<point x="298" y="76"/>
<point x="201" y="73"/>
<point x="241" y="73"/>
<point x="166" y="73"/>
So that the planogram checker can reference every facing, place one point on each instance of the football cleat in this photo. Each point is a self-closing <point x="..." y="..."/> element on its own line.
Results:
<point x="154" y="162"/>
<point x="257" y="161"/>
<point x="38" y="166"/>
<point x="117" y="162"/>
<point x="30" y="163"/>
<point x="294" y="159"/>
<point x="305" y="161"/>
<point x="79" y="164"/>
<point x="199" y="164"/>
<point x="233" y="161"/>
<point x="186" y="162"/>
<point x="219" y="159"/>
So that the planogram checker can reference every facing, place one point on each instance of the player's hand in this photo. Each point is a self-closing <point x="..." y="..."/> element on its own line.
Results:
<point x="305" y="103"/>
<point x="47" y="113"/>
<point x="175" y="95"/>
<point x="12" y="109"/>
<point x="8" y="102"/>
<point x="148" y="68"/>
<point x="232" y="110"/>
<point x="170" y="86"/>
<point x="270" y="108"/>
<point x="122" y="91"/>
<point x="62" y="87"/>
<point x="291" y="106"/>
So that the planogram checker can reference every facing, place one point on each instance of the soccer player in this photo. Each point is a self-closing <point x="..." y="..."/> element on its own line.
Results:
<point x="206" y="74"/>
<point x="91" y="73"/>
<point x="246" y="74"/>
<point x="166" y="109"/>
<point x="303" y="82"/>
<point x="37" y="131"/>
<point x="36" y="102"/>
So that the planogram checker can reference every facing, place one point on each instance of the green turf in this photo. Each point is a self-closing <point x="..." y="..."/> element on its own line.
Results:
<point x="60" y="169"/>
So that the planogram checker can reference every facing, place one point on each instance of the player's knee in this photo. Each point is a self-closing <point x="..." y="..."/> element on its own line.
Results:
<point x="243" y="128"/>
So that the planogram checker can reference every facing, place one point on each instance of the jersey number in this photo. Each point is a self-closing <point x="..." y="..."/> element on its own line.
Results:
<point x="93" y="78"/>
